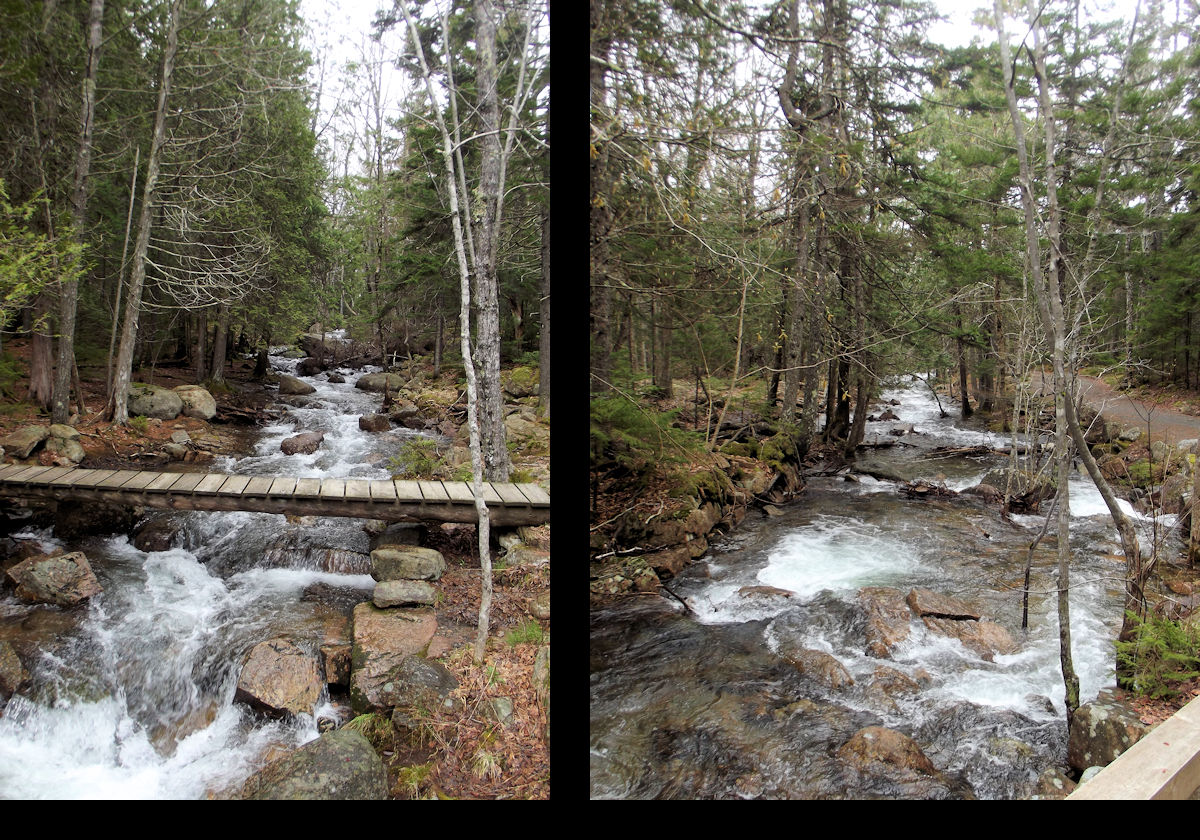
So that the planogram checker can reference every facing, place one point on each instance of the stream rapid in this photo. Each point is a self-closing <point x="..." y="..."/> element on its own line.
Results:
<point x="707" y="704"/>
<point x="135" y="700"/>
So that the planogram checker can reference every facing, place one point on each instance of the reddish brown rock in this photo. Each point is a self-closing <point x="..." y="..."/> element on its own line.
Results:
<point x="927" y="602"/>
<point x="305" y="443"/>
<point x="985" y="638"/>
<point x="280" y="678"/>
<point x="878" y="745"/>
<point x="822" y="667"/>
<point x="64" y="580"/>
<point x="888" y="618"/>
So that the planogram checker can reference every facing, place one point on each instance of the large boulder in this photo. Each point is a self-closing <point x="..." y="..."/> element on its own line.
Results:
<point x="64" y="452"/>
<point x="340" y="765"/>
<point x="65" y="580"/>
<point x="382" y="639"/>
<point x="154" y="401"/>
<point x="280" y="678"/>
<point x="22" y="442"/>
<point x="407" y="562"/>
<point x="894" y="764"/>
<point x="1100" y="731"/>
<point x="520" y="382"/>
<point x="197" y="402"/>
<point x="376" y="383"/>
<point x="304" y="443"/>
<point x="290" y="385"/>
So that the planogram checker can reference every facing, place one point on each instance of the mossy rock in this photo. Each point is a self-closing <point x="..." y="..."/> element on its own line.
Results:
<point x="521" y="382"/>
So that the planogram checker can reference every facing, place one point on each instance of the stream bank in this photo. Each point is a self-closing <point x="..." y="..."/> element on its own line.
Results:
<point x="797" y="649"/>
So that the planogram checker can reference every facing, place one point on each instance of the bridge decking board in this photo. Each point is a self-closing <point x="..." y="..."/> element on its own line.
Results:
<point x="509" y="494"/>
<point x="237" y="484"/>
<point x="259" y="485"/>
<point x="210" y="483"/>
<point x="357" y="488"/>
<point x="282" y="486"/>
<point x="459" y="491"/>
<point x="310" y="487"/>
<point x="188" y="483"/>
<point x="450" y="501"/>
<point x="535" y="494"/>
<point x="383" y="491"/>
<point x="140" y="481"/>
<point x="163" y="482"/>
<point x="49" y="475"/>
<point x="433" y="491"/>
<point x="408" y="490"/>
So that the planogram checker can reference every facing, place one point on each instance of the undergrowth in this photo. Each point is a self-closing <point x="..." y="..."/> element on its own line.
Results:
<point x="1160" y="657"/>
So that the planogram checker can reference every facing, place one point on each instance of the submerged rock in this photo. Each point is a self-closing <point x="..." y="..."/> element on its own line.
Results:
<point x="12" y="672"/>
<point x="888" y="619"/>
<point x="822" y="667"/>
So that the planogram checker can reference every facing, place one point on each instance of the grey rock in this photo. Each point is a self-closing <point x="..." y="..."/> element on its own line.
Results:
<point x="401" y="593"/>
<point x="305" y="443"/>
<point x="22" y="442"/>
<point x="293" y="386"/>
<point x="407" y="563"/>
<point x="339" y="765"/>
<point x="64" y="580"/>
<point x="197" y="402"/>
<point x="153" y="401"/>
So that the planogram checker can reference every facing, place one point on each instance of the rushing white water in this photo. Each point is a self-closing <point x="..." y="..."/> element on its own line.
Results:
<point x="137" y="702"/>
<point x="880" y="539"/>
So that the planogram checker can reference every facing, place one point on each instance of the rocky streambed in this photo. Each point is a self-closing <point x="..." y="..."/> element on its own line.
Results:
<point x="864" y="641"/>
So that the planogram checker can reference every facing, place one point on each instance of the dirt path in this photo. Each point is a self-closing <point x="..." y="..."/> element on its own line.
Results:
<point x="1162" y="423"/>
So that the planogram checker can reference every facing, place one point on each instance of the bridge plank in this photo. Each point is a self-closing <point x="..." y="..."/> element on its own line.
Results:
<point x="26" y="473"/>
<point x="11" y="469"/>
<point x="69" y="478"/>
<point x="163" y="482"/>
<point x="258" y="486"/>
<point x="282" y="487"/>
<point x="117" y="479"/>
<point x="94" y="477"/>
<point x="509" y="494"/>
<point x="308" y="487"/>
<point x="140" y="481"/>
<point x="188" y="483"/>
<point x="357" y="488"/>
<point x="408" y="491"/>
<point x="333" y="488"/>
<point x="236" y="484"/>
<point x="490" y="496"/>
<point x="383" y="491"/>
<point x="459" y="491"/>
<point x="433" y="491"/>
<point x="535" y="494"/>
<point x="49" y="475"/>
<point x="211" y="483"/>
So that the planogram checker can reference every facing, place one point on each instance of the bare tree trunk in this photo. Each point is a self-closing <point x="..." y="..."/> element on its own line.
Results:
<point x="69" y="293"/>
<point x="41" y="359"/>
<point x="118" y="408"/>
<point x="544" y="336"/>
<point x="220" y="344"/>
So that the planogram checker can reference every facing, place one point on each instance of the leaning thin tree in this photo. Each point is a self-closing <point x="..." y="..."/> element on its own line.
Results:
<point x="482" y="247"/>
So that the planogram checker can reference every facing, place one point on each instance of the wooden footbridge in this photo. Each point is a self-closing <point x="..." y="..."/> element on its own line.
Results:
<point x="386" y="499"/>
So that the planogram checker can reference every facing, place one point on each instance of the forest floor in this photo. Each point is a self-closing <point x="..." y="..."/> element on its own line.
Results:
<point x="461" y="755"/>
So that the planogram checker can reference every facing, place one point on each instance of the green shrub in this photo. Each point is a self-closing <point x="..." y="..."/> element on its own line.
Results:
<point x="1161" y="655"/>
<point x="636" y="438"/>
<point x="139" y="423"/>
<point x="527" y="633"/>
<point x="10" y="373"/>
<point x="417" y="458"/>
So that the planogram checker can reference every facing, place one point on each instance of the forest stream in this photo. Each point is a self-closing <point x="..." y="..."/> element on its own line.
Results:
<point x="136" y="700"/>
<point x="712" y="704"/>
